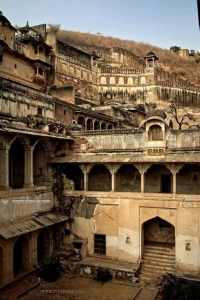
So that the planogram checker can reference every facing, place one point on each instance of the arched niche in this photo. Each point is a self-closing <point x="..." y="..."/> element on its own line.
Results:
<point x="38" y="165"/>
<point x="16" y="165"/>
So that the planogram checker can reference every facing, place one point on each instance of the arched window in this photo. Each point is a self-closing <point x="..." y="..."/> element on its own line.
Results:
<point x="40" y="71"/>
<point x="156" y="133"/>
<point x="195" y="177"/>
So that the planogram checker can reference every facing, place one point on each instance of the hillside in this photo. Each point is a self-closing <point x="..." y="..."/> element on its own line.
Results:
<point x="187" y="68"/>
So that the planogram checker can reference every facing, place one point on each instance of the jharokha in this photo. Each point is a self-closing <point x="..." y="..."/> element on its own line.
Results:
<point x="105" y="160"/>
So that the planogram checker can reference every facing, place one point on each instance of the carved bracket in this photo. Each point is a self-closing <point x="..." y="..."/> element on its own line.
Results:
<point x="174" y="168"/>
<point x="142" y="167"/>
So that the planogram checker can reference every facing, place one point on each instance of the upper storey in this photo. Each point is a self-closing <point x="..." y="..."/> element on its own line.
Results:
<point x="7" y="31"/>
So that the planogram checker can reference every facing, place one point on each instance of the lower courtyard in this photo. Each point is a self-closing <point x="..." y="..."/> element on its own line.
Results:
<point x="79" y="288"/>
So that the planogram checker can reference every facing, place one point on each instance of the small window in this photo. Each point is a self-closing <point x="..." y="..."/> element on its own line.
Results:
<point x="64" y="112"/>
<point x="137" y="176"/>
<point x="28" y="106"/>
<point x="39" y="111"/>
<point x="100" y="244"/>
<point x="67" y="232"/>
<point x="15" y="66"/>
<point x="36" y="51"/>
<point x="5" y="38"/>
<point x="195" y="177"/>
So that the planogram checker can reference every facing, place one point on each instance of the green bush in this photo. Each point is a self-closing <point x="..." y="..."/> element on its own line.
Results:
<point x="50" y="271"/>
<point x="103" y="275"/>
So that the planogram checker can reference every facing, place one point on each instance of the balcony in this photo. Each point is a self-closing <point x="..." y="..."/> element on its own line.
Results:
<point x="42" y="57"/>
<point x="40" y="79"/>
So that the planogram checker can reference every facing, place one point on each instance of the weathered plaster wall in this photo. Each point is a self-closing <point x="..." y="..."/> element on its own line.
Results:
<point x="119" y="217"/>
<point x="18" y="204"/>
<point x="188" y="180"/>
<point x="20" y="101"/>
<point x="128" y="179"/>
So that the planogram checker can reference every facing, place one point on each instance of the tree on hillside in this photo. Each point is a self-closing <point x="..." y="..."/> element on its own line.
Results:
<point x="54" y="27"/>
<point x="192" y="52"/>
<point x="181" y="119"/>
<point x="175" y="48"/>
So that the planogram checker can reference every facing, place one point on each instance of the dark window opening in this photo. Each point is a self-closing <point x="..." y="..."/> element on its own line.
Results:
<point x="165" y="183"/>
<point x="15" y="66"/>
<point x="40" y="71"/>
<point x="36" y="51"/>
<point x="78" y="245"/>
<point x="67" y="232"/>
<point x="164" y="224"/>
<point x="195" y="177"/>
<point x="5" y="38"/>
<point x="1" y="57"/>
<point x="100" y="244"/>
<point x="39" y="111"/>
<point x="64" y="112"/>
<point x="28" y="106"/>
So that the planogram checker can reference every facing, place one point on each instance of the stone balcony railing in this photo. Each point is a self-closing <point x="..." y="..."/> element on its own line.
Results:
<point x="114" y="197"/>
<point x="128" y="139"/>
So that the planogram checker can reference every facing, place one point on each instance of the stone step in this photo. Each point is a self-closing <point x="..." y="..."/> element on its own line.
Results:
<point x="151" y="274"/>
<point x="155" y="247"/>
<point x="157" y="251"/>
<point x="159" y="263"/>
<point x="157" y="269"/>
<point x="150" y="258"/>
<point x="156" y="256"/>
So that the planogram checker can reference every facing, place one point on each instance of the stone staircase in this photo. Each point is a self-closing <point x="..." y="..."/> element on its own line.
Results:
<point x="158" y="259"/>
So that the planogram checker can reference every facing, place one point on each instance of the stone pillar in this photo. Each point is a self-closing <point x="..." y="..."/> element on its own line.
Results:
<point x="85" y="180"/>
<point x="113" y="181"/>
<point x="4" y="168"/>
<point x="113" y="168"/>
<point x="48" y="169"/>
<point x="142" y="182"/>
<point x="174" y="182"/>
<point x="85" y="169"/>
<point x="174" y="169"/>
<point x="142" y="168"/>
<point x="28" y="167"/>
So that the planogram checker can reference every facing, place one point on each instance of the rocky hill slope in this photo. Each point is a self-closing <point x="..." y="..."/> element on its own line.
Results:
<point x="186" y="68"/>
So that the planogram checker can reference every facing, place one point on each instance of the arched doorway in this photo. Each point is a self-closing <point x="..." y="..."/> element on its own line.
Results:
<point x="81" y="121"/>
<point x="158" y="179"/>
<point x="103" y="126"/>
<point x="128" y="179"/>
<point x="1" y="266"/>
<point x="43" y="245"/>
<point x="16" y="165"/>
<point x="96" y="125"/>
<point x="158" y="248"/>
<point x="21" y="257"/>
<point x="157" y="230"/>
<point x="74" y="173"/>
<point x="99" y="179"/>
<point x="38" y="165"/>
<point x="89" y="124"/>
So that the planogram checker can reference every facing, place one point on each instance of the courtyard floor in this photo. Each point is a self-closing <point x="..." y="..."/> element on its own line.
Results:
<point x="76" y="288"/>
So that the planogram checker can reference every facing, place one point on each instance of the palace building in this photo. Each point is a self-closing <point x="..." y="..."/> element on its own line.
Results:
<point x="92" y="154"/>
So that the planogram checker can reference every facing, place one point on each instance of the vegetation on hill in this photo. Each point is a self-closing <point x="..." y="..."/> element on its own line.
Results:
<point x="187" y="68"/>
